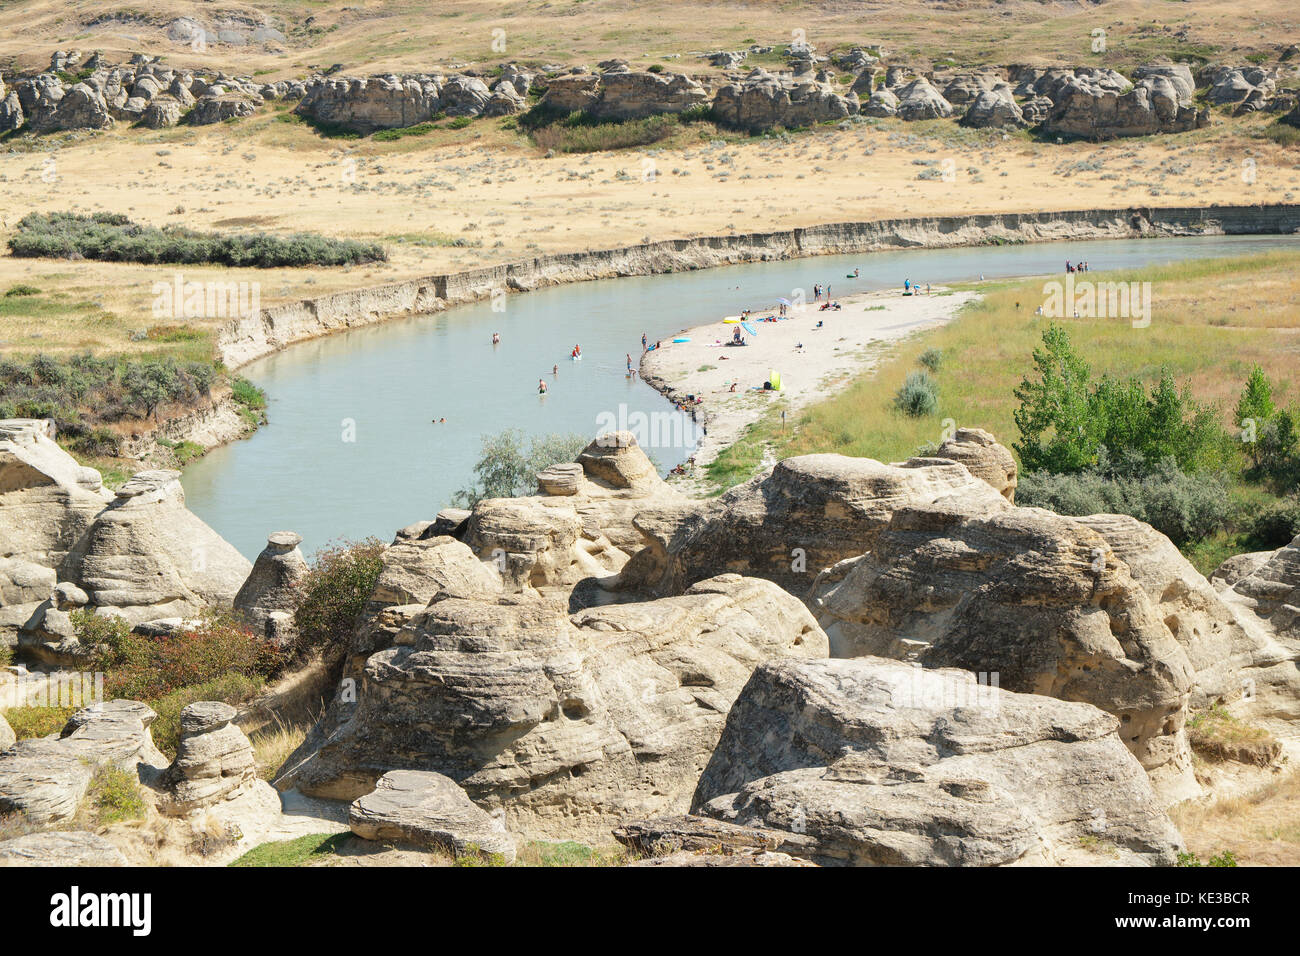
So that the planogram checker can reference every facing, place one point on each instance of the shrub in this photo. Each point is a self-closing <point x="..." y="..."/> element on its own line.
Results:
<point x="336" y="589"/>
<point x="231" y="688"/>
<point x="1186" y="508"/>
<point x="504" y="469"/>
<point x="247" y="394"/>
<point x="1276" y="524"/>
<point x="1065" y="421"/>
<point x="919" y="395"/>
<point x="113" y="238"/>
<point x="31" y="722"/>
<point x="932" y="359"/>
<point x="22" y="290"/>
<point x="114" y="796"/>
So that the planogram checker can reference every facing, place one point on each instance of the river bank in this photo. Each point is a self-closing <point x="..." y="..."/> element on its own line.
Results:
<point x="723" y="385"/>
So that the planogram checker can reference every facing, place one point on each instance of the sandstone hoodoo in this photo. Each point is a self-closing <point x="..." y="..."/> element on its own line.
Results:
<point x="214" y="760"/>
<point x="268" y="598"/>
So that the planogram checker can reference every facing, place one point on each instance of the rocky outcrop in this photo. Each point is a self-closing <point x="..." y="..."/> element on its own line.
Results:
<point x="211" y="109"/>
<point x="1039" y="600"/>
<point x="1091" y="110"/>
<point x="60" y="848"/>
<point x="270" y="595"/>
<point x="566" y="721"/>
<point x="918" y="100"/>
<point x="873" y="762"/>
<point x="996" y="109"/>
<point x="765" y="100"/>
<point x="45" y="779"/>
<point x="630" y="95"/>
<point x="1237" y="86"/>
<point x="883" y="103"/>
<point x="162" y="113"/>
<point x="807" y="514"/>
<point x="984" y="458"/>
<point x="146" y="556"/>
<point x="428" y="810"/>
<point x="214" y="761"/>
<point x="7" y="736"/>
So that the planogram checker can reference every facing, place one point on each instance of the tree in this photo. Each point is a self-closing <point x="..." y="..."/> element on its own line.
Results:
<point x="1054" y="414"/>
<point x="505" y="470"/>
<point x="1255" y="409"/>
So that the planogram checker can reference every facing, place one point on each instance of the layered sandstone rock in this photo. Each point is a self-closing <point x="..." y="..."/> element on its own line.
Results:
<point x="984" y="458"/>
<point x="568" y="722"/>
<point x="621" y="94"/>
<point x="46" y="779"/>
<point x="429" y="810"/>
<point x="765" y="100"/>
<point x="995" y="108"/>
<point x="214" y="761"/>
<point x="60" y="848"/>
<point x="919" y="100"/>
<point x="270" y="595"/>
<point x="807" y="514"/>
<point x="874" y="762"/>
<point x="1155" y="105"/>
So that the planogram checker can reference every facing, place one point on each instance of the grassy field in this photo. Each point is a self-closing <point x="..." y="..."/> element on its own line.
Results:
<point x="383" y="35"/>
<point x="1212" y="322"/>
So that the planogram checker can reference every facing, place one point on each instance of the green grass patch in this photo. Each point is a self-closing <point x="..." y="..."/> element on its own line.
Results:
<point x="29" y="723"/>
<point x="303" y="851"/>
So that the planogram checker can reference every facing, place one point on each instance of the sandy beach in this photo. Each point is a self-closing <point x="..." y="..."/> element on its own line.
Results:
<point x="812" y="362"/>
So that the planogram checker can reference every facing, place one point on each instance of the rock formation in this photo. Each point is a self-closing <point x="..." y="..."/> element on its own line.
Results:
<point x="214" y="760"/>
<point x="621" y="94"/>
<point x="46" y="778"/>
<point x="983" y="457"/>
<point x="60" y="848"/>
<point x="874" y="762"/>
<point x="568" y="722"/>
<point x="429" y="810"/>
<point x="765" y="100"/>
<point x="919" y="100"/>
<point x="269" y="597"/>
<point x="1088" y="108"/>
<point x="994" y="108"/>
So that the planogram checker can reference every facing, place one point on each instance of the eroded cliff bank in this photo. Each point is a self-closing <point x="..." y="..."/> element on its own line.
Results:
<point x="247" y="339"/>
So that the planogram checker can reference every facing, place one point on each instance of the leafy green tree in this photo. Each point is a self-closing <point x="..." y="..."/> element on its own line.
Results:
<point x="505" y="469"/>
<point x="1056" y="431"/>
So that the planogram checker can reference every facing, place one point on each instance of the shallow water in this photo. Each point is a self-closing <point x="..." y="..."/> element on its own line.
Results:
<point x="351" y="449"/>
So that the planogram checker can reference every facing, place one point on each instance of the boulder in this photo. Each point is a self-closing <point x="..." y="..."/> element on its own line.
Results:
<point x="1038" y="602"/>
<point x="883" y="103"/>
<point x="1238" y="566"/>
<point x="918" y="100"/>
<point x="568" y="722"/>
<point x="874" y="762"/>
<point x="984" y="458"/>
<point x="11" y="112"/>
<point x="212" y="109"/>
<point x="161" y="113"/>
<point x="464" y="96"/>
<point x="571" y="93"/>
<point x="61" y="848"/>
<point x="214" y="761"/>
<point x="81" y="107"/>
<point x="7" y="736"/>
<point x="967" y="87"/>
<point x="1178" y="74"/>
<point x="994" y="109"/>
<point x="46" y="778"/>
<point x="146" y="556"/>
<point x="428" y="810"/>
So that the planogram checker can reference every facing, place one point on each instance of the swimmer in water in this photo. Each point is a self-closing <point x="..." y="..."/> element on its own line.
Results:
<point x="541" y="386"/>
<point x="496" y="338"/>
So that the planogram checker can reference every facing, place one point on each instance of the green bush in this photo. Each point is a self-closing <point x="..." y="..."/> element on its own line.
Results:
<point x="932" y="359"/>
<point x="1065" y="420"/>
<point x="1186" y="508"/>
<point x="919" y="395"/>
<point x="1276" y="524"/>
<point x="114" y="796"/>
<point x="505" y="469"/>
<point x="114" y="238"/>
<point x="335" y="591"/>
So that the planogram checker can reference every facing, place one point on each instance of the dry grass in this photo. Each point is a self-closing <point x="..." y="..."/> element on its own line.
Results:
<point x="1217" y="735"/>
<point x="1261" y="828"/>
<point x="406" y="34"/>
<point x="1200" y="329"/>
<point x="273" y="745"/>
<point x="453" y="200"/>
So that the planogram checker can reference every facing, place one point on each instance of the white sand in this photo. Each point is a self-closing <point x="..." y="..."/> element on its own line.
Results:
<point x="849" y="344"/>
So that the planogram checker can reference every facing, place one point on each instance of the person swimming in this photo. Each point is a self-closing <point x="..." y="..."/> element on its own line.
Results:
<point x="555" y="370"/>
<point x="496" y="338"/>
<point x="541" y="386"/>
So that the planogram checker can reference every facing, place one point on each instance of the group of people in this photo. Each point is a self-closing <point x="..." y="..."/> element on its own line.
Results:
<point x="1076" y="266"/>
<point x="914" y="288"/>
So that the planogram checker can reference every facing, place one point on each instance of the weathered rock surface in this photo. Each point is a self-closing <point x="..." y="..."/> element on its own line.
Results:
<point x="918" y="100"/>
<point x="1088" y="109"/>
<point x="161" y="113"/>
<point x="271" y="594"/>
<point x="60" y="848"/>
<point x="621" y="94"/>
<point x="874" y="762"/>
<point x="807" y="514"/>
<point x="984" y="458"/>
<point x="7" y="737"/>
<point x="211" y="109"/>
<point x="765" y="100"/>
<point x="429" y="810"/>
<point x="1037" y="599"/>
<point x="214" y="760"/>
<point x="46" y="778"/>
<point x="995" y="108"/>
<point x="569" y="722"/>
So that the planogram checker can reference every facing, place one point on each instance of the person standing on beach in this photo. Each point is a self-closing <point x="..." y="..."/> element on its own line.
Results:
<point x="644" y="342"/>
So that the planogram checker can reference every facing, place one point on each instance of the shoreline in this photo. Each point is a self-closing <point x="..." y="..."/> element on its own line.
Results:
<point x="245" y="340"/>
<point x="850" y="342"/>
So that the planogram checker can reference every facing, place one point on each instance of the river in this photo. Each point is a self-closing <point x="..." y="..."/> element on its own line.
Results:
<point x="352" y="448"/>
